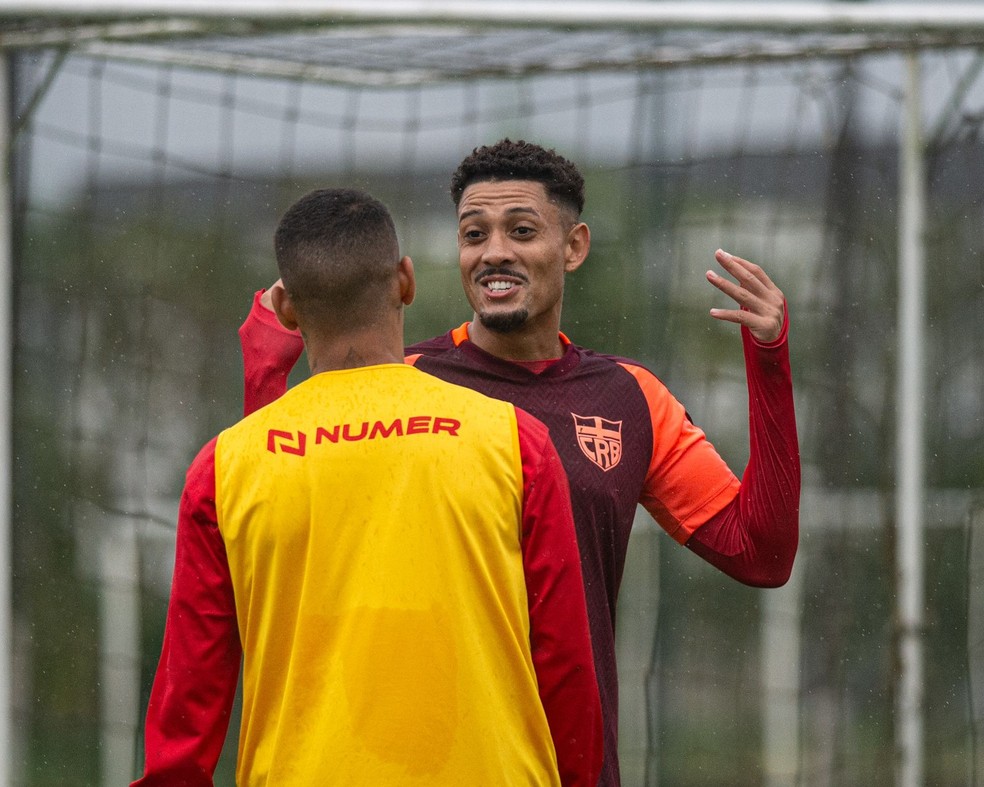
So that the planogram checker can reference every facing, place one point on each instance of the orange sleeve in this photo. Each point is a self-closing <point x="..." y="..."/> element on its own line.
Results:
<point x="687" y="481"/>
<point x="559" y="634"/>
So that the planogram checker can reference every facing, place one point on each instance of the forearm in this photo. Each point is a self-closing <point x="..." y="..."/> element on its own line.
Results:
<point x="269" y="353"/>
<point x="192" y="695"/>
<point x="754" y="538"/>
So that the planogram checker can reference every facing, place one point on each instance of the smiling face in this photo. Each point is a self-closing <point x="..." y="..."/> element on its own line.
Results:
<point x="514" y="247"/>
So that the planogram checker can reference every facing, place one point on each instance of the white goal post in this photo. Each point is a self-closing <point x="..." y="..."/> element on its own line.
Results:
<point x="142" y="31"/>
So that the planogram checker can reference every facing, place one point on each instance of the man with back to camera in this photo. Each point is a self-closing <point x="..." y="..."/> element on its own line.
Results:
<point x="623" y="438"/>
<point x="393" y="557"/>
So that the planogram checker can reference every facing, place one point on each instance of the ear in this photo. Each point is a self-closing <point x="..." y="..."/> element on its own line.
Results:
<point x="578" y="245"/>
<point x="283" y="307"/>
<point x="408" y="283"/>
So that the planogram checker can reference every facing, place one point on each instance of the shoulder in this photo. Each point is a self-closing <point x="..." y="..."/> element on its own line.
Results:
<point x="198" y="496"/>
<point x="637" y="387"/>
<point x="204" y="461"/>
<point x="532" y="431"/>
<point x="618" y="365"/>
<point x="434" y="346"/>
<point x="537" y="451"/>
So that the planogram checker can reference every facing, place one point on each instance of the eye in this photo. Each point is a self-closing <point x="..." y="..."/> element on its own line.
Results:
<point x="523" y="231"/>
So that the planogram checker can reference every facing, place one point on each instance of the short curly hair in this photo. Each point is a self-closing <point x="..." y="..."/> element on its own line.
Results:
<point x="520" y="160"/>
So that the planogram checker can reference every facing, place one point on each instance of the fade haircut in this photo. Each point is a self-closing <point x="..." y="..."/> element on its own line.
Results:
<point x="336" y="250"/>
<point x="508" y="160"/>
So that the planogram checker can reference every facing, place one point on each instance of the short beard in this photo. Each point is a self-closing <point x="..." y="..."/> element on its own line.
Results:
<point x="505" y="323"/>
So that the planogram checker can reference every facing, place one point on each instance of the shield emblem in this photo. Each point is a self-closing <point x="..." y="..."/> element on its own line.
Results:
<point x="600" y="439"/>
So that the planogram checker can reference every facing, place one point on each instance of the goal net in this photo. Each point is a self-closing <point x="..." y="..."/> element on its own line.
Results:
<point x="151" y="161"/>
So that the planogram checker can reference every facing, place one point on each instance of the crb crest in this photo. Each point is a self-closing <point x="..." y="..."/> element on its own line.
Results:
<point x="599" y="439"/>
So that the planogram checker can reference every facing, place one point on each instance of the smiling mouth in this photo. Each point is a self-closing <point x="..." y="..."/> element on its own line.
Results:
<point x="498" y="281"/>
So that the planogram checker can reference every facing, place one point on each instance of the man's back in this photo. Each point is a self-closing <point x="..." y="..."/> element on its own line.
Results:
<point x="384" y="643"/>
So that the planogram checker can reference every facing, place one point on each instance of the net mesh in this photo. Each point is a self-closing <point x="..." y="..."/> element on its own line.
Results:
<point x="149" y="179"/>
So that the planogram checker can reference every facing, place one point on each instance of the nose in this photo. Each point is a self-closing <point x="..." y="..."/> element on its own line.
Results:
<point x="497" y="250"/>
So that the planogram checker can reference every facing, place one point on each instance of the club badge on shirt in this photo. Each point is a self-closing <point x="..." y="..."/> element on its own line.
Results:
<point x="600" y="439"/>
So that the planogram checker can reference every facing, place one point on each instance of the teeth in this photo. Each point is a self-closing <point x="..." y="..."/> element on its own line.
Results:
<point x="499" y="286"/>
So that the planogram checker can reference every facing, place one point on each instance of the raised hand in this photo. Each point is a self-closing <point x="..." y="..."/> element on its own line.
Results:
<point x="761" y="303"/>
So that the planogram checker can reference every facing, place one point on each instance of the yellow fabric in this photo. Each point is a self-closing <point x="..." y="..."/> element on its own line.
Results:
<point x="372" y="654"/>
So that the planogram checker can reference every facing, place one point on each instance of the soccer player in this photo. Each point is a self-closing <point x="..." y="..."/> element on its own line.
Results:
<point x="393" y="557"/>
<point x="623" y="438"/>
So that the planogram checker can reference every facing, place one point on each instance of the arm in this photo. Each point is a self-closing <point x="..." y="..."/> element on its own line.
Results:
<point x="192" y="695"/>
<point x="559" y="635"/>
<point x="754" y="537"/>
<point x="269" y="353"/>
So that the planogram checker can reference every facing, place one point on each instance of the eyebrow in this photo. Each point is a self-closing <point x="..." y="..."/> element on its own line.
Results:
<point x="511" y="211"/>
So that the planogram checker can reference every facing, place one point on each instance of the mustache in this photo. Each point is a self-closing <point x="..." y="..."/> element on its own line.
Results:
<point x="501" y="271"/>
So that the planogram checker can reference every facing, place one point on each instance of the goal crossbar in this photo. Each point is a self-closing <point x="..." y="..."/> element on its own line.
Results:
<point x="231" y="15"/>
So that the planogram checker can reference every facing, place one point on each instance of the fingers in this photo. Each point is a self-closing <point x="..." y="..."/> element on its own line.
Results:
<point x="752" y="280"/>
<point x="266" y="299"/>
<point x="760" y="301"/>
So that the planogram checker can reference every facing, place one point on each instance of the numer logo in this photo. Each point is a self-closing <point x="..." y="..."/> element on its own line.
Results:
<point x="600" y="439"/>
<point x="289" y="442"/>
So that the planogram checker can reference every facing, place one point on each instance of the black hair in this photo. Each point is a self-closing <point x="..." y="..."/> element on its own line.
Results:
<point x="333" y="248"/>
<point x="508" y="160"/>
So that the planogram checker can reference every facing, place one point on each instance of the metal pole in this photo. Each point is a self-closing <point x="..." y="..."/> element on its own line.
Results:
<point x="851" y="17"/>
<point x="781" y="640"/>
<point x="910" y="473"/>
<point x="119" y="645"/>
<point x="975" y="640"/>
<point x="6" y="436"/>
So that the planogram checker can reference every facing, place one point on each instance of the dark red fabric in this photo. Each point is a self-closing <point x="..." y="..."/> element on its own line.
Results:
<point x="754" y="539"/>
<point x="548" y="551"/>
